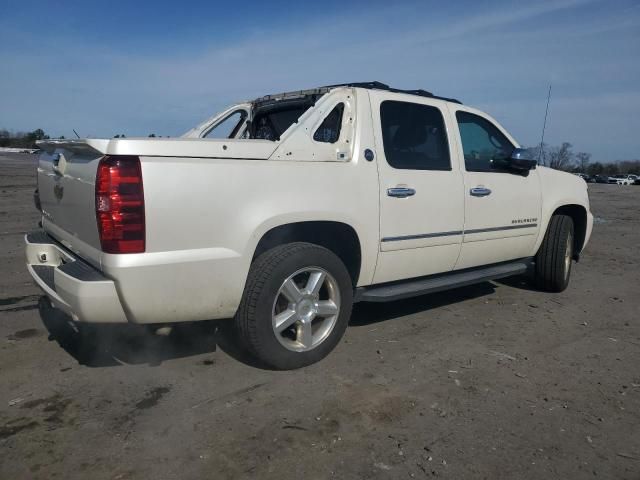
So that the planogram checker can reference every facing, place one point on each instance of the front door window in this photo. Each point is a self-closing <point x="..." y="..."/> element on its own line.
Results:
<point x="485" y="147"/>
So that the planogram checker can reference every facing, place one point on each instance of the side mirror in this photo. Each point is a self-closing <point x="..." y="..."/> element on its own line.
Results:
<point x="520" y="160"/>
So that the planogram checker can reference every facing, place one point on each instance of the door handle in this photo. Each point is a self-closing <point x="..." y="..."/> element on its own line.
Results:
<point x="479" y="192"/>
<point x="400" y="192"/>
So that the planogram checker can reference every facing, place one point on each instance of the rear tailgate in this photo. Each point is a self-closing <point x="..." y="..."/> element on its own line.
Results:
<point x="66" y="185"/>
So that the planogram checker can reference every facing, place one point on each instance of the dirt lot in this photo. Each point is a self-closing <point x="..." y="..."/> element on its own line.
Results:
<point x="495" y="381"/>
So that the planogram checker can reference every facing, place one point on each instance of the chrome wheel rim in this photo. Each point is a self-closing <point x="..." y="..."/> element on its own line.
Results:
<point x="568" y="253"/>
<point x="305" y="309"/>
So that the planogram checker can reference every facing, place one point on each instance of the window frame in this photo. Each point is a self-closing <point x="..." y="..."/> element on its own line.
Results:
<point x="495" y="125"/>
<point x="445" y="131"/>
<point x="237" y="131"/>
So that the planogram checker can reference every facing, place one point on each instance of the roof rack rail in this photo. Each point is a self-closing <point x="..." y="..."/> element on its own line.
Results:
<point x="383" y="86"/>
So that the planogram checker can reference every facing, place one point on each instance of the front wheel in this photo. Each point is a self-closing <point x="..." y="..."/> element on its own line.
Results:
<point x="553" y="260"/>
<point x="296" y="305"/>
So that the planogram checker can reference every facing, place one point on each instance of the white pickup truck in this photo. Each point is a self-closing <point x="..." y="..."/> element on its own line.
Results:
<point x="280" y="213"/>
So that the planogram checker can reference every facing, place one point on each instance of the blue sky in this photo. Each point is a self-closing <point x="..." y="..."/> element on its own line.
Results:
<point x="141" y="67"/>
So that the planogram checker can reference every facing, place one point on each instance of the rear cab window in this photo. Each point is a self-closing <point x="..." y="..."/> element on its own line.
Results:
<point x="272" y="117"/>
<point x="272" y="124"/>
<point x="414" y="136"/>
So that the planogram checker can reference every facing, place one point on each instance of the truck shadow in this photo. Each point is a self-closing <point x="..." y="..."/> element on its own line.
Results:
<point x="99" y="346"/>
<point x="519" y="282"/>
<point x="125" y="344"/>
<point x="367" y="313"/>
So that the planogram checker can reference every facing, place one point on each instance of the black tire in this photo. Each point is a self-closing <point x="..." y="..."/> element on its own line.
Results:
<point x="552" y="271"/>
<point x="254" y="317"/>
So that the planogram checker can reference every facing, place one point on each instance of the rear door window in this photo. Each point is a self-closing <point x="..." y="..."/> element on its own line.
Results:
<point x="414" y="136"/>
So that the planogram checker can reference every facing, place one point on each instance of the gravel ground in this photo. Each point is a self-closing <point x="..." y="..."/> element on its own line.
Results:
<point x="494" y="381"/>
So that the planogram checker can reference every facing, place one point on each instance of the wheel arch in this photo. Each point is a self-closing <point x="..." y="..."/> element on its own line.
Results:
<point x="341" y="238"/>
<point x="578" y="214"/>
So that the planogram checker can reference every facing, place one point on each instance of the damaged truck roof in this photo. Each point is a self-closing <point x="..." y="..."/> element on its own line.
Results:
<point x="319" y="91"/>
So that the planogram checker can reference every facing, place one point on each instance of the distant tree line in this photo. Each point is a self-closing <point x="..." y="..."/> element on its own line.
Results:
<point x="28" y="139"/>
<point x="624" y="166"/>
<point x="21" y="139"/>
<point x="564" y="158"/>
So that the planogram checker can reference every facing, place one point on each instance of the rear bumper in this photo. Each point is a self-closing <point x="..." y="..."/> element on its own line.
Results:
<point x="72" y="285"/>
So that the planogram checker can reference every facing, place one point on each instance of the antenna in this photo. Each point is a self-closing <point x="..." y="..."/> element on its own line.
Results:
<point x="544" y="125"/>
<point x="74" y="131"/>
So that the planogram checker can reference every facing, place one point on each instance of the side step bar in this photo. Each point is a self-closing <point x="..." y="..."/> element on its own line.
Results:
<point x="436" y="283"/>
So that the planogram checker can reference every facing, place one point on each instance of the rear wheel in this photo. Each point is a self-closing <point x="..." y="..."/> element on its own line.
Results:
<point x="296" y="305"/>
<point x="553" y="260"/>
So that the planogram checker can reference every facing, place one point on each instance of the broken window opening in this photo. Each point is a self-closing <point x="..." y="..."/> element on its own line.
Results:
<point x="329" y="129"/>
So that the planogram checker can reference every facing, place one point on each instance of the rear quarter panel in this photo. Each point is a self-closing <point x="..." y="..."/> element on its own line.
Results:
<point x="205" y="217"/>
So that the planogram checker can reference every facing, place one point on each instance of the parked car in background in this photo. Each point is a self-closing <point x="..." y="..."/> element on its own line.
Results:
<point x="598" y="179"/>
<point x="622" y="179"/>
<point x="583" y="176"/>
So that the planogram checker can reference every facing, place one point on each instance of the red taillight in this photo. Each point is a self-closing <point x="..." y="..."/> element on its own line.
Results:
<point x="120" y="205"/>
